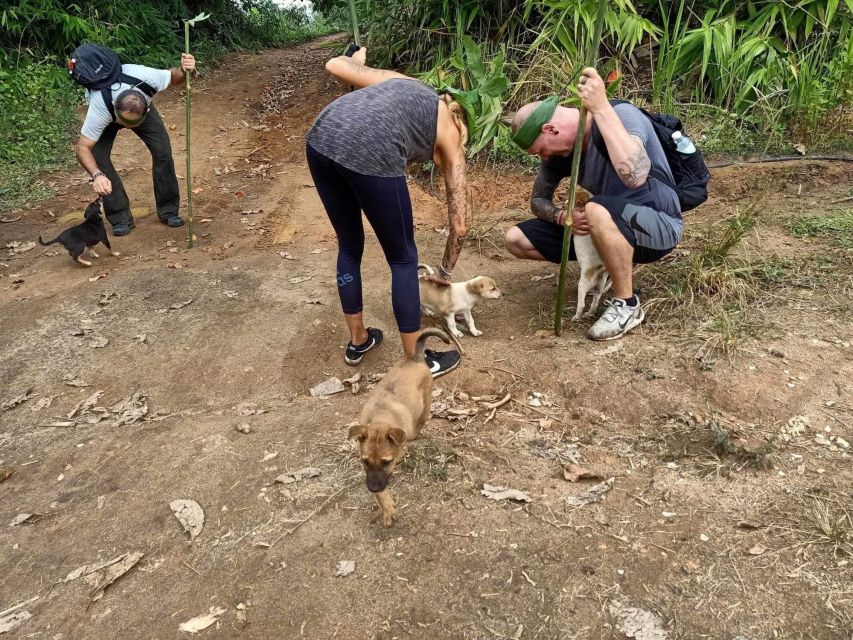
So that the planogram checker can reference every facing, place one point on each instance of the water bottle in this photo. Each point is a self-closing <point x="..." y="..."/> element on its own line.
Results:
<point x="683" y="143"/>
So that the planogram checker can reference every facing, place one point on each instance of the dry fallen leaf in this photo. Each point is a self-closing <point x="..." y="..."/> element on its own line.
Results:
<point x="757" y="549"/>
<point x="200" y="623"/>
<point x="296" y="476"/>
<point x="190" y="514"/>
<point x="21" y="518"/>
<point x="71" y="381"/>
<point x="593" y="494"/>
<point x="503" y="493"/>
<point x="5" y="473"/>
<point x="345" y="567"/>
<point x="19" y="399"/>
<point x="12" y="620"/>
<point x="574" y="472"/>
<point x="328" y="387"/>
<point x="103" y="578"/>
<point x="84" y="405"/>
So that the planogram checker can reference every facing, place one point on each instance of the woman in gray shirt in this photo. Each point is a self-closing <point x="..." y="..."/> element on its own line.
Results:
<point x="357" y="151"/>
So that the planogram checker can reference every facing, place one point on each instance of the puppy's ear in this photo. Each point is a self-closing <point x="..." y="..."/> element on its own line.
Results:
<point x="397" y="436"/>
<point x="357" y="431"/>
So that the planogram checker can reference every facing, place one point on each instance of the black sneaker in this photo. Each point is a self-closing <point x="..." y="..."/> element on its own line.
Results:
<point x="173" y="221"/>
<point x="441" y="362"/>
<point x="123" y="228"/>
<point x="355" y="353"/>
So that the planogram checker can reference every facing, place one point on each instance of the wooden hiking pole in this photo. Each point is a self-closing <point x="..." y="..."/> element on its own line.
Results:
<point x="187" y="25"/>
<point x="355" y="34"/>
<point x="591" y="57"/>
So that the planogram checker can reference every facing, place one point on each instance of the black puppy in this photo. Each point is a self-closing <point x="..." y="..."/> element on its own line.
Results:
<point x="86" y="234"/>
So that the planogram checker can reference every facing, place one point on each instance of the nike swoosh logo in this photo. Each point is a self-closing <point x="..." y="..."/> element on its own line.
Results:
<point x="622" y="325"/>
<point x="435" y="366"/>
<point x="637" y="226"/>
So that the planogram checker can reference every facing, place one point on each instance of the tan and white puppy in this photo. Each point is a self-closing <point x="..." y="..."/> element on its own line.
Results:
<point x="460" y="297"/>
<point x="593" y="277"/>
<point x="394" y="414"/>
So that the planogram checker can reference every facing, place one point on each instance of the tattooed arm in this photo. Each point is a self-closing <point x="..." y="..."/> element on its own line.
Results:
<point x="627" y="151"/>
<point x="450" y="156"/>
<point x="548" y="178"/>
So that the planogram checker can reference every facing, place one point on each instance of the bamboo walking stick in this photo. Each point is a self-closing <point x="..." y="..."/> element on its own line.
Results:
<point x="355" y="34"/>
<point x="187" y="25"/>
<point x="591" y="57"/>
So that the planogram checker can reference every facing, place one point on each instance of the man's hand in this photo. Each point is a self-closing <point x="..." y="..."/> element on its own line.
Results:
<point x="188" y="62"/>
<point x="592" y="91"/>
<point x="102" y="186"/>
<point x="580" y="225"/>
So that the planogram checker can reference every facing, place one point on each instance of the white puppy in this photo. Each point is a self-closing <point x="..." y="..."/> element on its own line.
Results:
<point x="594" y="277"/>
<point x="459" y="297"/>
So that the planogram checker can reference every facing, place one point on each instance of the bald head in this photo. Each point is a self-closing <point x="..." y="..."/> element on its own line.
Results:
<point x="557" y="136"/>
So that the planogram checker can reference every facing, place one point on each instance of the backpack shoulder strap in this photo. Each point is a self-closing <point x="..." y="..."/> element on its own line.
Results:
<point x="144" y="87"/>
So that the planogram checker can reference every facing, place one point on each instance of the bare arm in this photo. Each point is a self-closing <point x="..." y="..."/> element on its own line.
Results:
<point x="86" y="158"/>
<point x="627" y="152"/>
<point x="187" y="64"/>
<point x="451" y="156"/>
<point x="350" y="71"/>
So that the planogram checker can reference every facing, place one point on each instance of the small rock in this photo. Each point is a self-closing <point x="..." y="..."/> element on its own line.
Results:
<point x="243" y="427"/>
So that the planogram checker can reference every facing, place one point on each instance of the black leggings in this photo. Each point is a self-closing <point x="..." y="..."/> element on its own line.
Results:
<point x="386" y="204"/>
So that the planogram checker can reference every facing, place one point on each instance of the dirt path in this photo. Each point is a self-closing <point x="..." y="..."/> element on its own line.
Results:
<point x="729" y="512"/>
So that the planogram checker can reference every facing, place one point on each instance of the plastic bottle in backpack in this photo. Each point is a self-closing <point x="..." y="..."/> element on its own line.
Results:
<point x="683" y="143"/>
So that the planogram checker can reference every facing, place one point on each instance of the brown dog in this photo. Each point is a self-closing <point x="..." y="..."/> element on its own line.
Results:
<point x="394" y="414"/>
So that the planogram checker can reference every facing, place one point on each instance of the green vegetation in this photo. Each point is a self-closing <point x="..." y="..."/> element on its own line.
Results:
<point x="750" y="76"/>
<point x="37" y="97"/>
<point x="837" y="227"/>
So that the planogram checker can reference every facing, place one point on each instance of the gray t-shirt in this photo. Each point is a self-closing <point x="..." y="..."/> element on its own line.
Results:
<point x="98" y="116"/>
<point x="599" y="177"/>
<point x="377" y="130"/>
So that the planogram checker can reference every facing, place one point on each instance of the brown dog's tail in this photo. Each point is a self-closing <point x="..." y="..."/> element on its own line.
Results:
<point x="49" y="242"/>
<point x="430" y="271"/>
<point x="418" y="356"/>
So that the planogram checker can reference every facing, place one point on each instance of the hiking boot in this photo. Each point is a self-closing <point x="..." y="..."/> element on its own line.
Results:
<point x="173" y="221"/>
<point x="123" y="228"/>
<point x="441" y="362"/>
<point x="355" y="353"/>
<point x="618" y="319"/>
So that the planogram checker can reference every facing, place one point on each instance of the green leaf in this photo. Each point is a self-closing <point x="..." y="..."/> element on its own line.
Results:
<point x="494" y="86"/>
<point x="474" y="58"/>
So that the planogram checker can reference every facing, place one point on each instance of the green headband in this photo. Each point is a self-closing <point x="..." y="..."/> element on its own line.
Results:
<point x="532" y="127"/>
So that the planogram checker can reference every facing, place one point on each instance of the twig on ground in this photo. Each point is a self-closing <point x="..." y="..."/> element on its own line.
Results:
<point x="316" y="511"/>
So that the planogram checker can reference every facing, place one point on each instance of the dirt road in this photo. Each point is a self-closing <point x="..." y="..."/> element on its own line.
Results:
<point x="727" y="516"/>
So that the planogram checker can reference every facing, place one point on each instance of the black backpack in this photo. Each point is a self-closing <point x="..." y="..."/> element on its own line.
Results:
<point x="97" y="68"/>
<point x="689" y="170"/>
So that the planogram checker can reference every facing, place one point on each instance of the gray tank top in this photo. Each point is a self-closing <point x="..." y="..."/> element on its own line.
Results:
<point x="377" y="130"/>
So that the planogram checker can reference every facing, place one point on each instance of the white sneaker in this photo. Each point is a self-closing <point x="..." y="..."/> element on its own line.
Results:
<point x="617" y="320"/>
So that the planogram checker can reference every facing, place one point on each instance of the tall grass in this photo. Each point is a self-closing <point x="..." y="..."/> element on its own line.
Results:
<point x="774" y="64"/>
